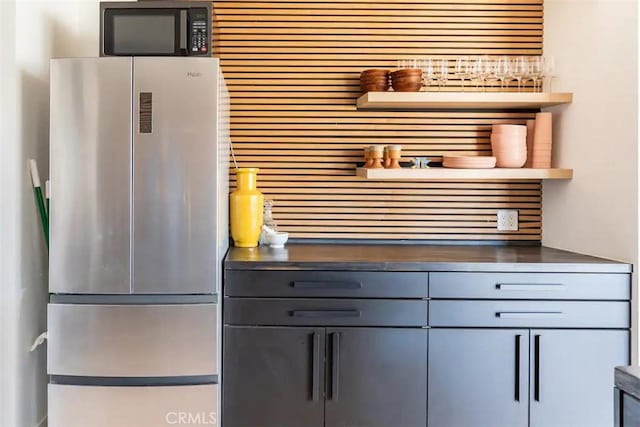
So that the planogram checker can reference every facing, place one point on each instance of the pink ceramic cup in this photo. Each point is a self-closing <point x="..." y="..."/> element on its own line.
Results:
<point x="509" y="141"/>
<point x="509" y="129"/>
<point x="509" y="146"/>
<point x="510" y="159"/>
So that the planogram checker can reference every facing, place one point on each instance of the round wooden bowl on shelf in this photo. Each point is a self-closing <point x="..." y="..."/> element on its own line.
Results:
<point x="406" y="80"/>
<point x="409" y="86"/>
<point x="374" y="74"/>
<point x="374" y="71"/>
<point x="406" y="72"/>
<point x="374" y="80"/>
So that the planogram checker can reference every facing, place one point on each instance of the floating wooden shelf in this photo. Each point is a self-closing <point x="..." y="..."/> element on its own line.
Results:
<point x="439" y="173"/>
<point x="461" y="100"/>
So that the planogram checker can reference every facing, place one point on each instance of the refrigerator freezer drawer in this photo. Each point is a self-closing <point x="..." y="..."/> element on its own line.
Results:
<point x="132" y="340"/>
<point x="95" y="406"/>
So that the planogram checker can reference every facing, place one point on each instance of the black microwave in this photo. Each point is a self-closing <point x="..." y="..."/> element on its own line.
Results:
<point x="155" y="28"/>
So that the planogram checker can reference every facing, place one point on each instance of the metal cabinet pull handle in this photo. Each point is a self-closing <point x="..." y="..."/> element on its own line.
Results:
<point x="527" y="314"/>
<point x="327" y="285"/>
<point x="530" y="286"/>
<point x="315" y="363"/>
<point x="536" y="368"/>
<point x="325" y="313"/>
<point x="517" y="381"/>
<point x="335" y="365"/>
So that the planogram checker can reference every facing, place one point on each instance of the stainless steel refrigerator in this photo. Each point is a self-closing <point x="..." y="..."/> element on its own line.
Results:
<point x="139" y="229"/>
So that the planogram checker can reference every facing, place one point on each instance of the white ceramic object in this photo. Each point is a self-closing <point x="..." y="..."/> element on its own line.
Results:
<point x="278" y="239"/>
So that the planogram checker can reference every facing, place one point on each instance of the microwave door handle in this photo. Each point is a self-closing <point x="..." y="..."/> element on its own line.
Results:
<point x="183" y="31"/>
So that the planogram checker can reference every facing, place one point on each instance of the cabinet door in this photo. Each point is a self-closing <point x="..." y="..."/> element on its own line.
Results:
<point x="273" y="377"/>
<point x="572" y="376"/>
<point x="478" y="377"/>
<point x="377" y="377"/>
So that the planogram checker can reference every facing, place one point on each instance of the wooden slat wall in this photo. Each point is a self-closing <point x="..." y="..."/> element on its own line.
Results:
<point x="292" y="68"/>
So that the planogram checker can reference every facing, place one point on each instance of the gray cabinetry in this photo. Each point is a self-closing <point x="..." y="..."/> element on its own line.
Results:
<point x="570" y="349"/>
<point x="519" y="337"/>
<point x="572" y="376"/>
<point x="294" y="376"/>
<point x="323" y="349"/>
<point x="558" y="286"/>
<point x="626" y="396"/>
<point x="520" y="377"/>
<point x="478" y="377"/>
<point x="325" y="312"/>
<point x="530" y="314"/>
<point x="377" y="377"/>
<point x="273" y="377"/>
<point x="630" y="411"/>
<point x="335" y="284"/>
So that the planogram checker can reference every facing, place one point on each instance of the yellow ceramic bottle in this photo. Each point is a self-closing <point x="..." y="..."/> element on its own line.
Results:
<point x="246" y="205"/>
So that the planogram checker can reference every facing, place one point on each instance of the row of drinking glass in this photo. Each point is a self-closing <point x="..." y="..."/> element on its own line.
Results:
<point x="483" y="70"/>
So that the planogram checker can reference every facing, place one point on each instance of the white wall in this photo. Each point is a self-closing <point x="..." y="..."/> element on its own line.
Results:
<point x="31" y="32"/>
<point x="8" y="212"/>
<point x="595" y="44"/>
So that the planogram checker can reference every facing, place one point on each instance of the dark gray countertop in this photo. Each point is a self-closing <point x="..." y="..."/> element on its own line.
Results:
<point x="627" y="379"/>
<point x="419" y="258"/>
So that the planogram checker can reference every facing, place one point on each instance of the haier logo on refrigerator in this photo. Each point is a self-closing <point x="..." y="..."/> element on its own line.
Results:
<point x="193" y="74"/>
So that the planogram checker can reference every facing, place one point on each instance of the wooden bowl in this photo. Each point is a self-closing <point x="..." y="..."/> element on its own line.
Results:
<point x="407" y="71"/>
<point x="374" y="74"/>
<point x="407" y="79"/>
<point x="374" y="71"/>
<point x="374" y="82"/>
<point x="406" y="87"/>
<point x="374" y="79"/>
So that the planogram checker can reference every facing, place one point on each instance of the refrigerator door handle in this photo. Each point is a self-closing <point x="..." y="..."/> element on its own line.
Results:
<point x="145" y="112"/>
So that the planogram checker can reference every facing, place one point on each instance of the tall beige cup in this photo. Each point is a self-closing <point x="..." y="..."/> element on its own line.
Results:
<point x="542" y="141"/>
<point x="530" y="131"/>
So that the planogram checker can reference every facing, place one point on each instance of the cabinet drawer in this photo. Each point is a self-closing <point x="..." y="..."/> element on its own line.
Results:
<point x="535" y="314"/>
<point x="140" y="406"/>
<point x="330" y="312"/>
<point x="132" y="340"/>
<point x="530" y="286"/>
<point x="348" y="284"/>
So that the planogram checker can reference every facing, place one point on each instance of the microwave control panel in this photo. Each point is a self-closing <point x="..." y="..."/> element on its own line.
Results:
<point x="200" y="37"/>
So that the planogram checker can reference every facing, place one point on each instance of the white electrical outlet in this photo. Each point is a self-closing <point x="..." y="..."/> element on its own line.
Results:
<point x="507" y="220"/>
